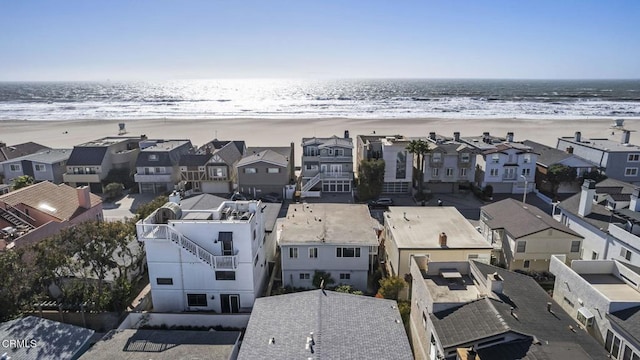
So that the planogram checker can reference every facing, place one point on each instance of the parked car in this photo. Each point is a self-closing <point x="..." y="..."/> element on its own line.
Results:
<point x="381" y="203"/>
<point x="271" y="198"/>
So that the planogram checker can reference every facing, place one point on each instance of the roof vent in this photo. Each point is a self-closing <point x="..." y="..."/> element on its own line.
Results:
<point x="442" y="239"/>
<point x="272" y="340"/>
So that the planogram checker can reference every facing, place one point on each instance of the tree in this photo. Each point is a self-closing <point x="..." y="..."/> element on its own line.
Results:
<point x="145" y="210"/>
<point x="16" y="284"/>
<point x="419" y="148"/>
<point x="594" y="175"/>
<point x="22" y="181"/>
<point x="347" y="289"/>
<point x="113" y="190"/>
<point x="558" y="173"/>
<point x="390" y="287"/>
<point x="370" y="178"/>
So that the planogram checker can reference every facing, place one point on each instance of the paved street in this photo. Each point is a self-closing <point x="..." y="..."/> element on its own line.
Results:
<point x="125" y="207"/>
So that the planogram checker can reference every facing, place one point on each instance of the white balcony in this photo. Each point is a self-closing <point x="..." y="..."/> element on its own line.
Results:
<point x="153" y="178"/>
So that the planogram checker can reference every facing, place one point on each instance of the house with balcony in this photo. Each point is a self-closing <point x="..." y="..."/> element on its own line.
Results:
<point x="471" y="310"/>
<point x="508" y="166"/>
<point x="266" y="170"/>
<point x="616" y="158"/>
<point x="91" y="162"/>
<point x="157" y="167"/>
<point x="340" y="239"/>
<point x="205" y="259"/>
<point x="212" y="169"/>
<point x="47" y="165"/>
<point x="525" y="237"/>
<point x="449" y="165"/>
<point x="398" y="162"/>
<point x="15" y="151"/>
<point x="327" y="165"/>
<point x="604" y="298"/>
<point x="35" y="212"/>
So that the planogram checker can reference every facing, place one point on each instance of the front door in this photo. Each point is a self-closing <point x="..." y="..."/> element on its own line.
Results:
<point x="230" y="303"/>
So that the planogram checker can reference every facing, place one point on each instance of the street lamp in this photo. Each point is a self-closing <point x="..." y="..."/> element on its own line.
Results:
<point x="524" y="193"/>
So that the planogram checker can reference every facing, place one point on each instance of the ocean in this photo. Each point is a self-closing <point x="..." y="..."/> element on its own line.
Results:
<point x="383" y="98"/>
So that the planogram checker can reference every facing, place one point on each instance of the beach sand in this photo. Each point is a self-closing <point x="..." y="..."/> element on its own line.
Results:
<point x="281" y="132"/>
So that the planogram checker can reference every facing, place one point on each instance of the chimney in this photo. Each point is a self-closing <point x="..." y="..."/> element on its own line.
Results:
<point x="586" y="197"/>
<point x="634" y="205"/>
<point x="578" y="136"/>
<point x="510" y="136"/>
<point x="346" y="134"/>
<point x="569" y="150"/>
<point x="485" y="137"/>
<point x="495" y="283"/>
<point x="626" y="135"/>
<point x="432" y="135"/>
<point x="549" y="307"/>
<point x="442" y="239"/>
<point x="84" y="197"/>
<point x="456" y="136"/>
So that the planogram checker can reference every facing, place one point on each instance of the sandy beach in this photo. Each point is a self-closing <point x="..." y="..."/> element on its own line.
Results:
<point x="280" y="132"/>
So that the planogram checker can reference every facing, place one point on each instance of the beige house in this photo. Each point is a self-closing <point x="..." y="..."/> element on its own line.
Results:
<point x="524" y="237"/>
<point x="438" y="233"/>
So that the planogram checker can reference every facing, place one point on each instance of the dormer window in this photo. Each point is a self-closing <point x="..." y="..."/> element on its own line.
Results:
<point x="465" y="157"/>
<point x="527" y="158"/>
<point x="153" y="157"/>
<point x="436" y="157"/>
<point x="495" y="158"/>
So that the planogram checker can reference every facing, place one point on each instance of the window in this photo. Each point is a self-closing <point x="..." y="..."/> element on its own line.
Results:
<point x="436" y="157"/>
<point x="521" y="246"/>
<point x="495" y="158"/>
<point x="463" y="172"/>
<point x="465" y="157"/>
<point x="625" y="253"/>
<point x="250" y="170"/>
<point x="40" y="167"/>
<point x="633" y="157"/>
<point x="526" y="264"/>
<point x="494" y="172"/>
<point x="153" y="157"/>
<point x="527" y="158"/>
<point x="225" y="275"/>
<point x="510" y="173"/>
<point x="626" y="355"/>
<point x="345" y="276"/>
<point x="164" y="281"/>
<point x="313" y="252"/>
<point x="615" y="349"/>
<point x="339" y="152"/>
<point x="609" y="341"/>
<point x="575" y="246"/>
<point x="594" y="255"/>
<point x="347" y="252"/>
<point x="630" y="171"/>
<point x="273" y="170"/>
<point x="568" y="302"/>
<point x="293" y="253"/>
<point x="472" y="256"/>
<point x="197" y="299"/>
<point x="449" y="172"/>
<point x="15" y="167"/>
<point x="435" y="172"/>
<point x="218" y="172"/>
<point x="305" y="276"/>
<point x="526" y="172"/>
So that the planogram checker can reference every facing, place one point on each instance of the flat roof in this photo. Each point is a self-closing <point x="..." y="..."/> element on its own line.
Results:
<point x="443" y="290"/>
<point x="164" y="145"/>
<point x="612" y="287"/>
<point x="602" y="144"/>
<point x="329" y="223"/>
<point x="108" y="141"/>
<point x="420" y="228"/>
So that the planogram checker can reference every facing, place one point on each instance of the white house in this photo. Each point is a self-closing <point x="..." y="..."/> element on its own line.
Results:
<point x="336" y="238"/>
<point x="205" y="259"/>
<point x="398" y="162"/>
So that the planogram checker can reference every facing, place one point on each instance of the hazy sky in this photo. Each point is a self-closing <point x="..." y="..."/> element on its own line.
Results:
<point x="161" y="39"/>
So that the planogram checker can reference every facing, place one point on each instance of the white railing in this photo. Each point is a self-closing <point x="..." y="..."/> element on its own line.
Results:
<point x="312" y="182"/>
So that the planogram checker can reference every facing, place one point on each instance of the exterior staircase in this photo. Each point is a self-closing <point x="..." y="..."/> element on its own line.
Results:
<point x="312" y="182"/>
<point x="214" y="261"/>
<point x="11" y="215"/>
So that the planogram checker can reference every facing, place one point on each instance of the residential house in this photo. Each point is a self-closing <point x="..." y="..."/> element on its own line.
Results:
<point x="213" y="169"/>
<point x="47" y="165"/>
<point x="327" y="165"/>
<point x="547" y="157"/>
<point x="472" y="310"/>
<point x="32" y="213"/>
<point x="90" y="163"/>
<point x="165" y="344"/>
<point x="157" y="169"/>
<point x="398" y="162"/>
<point x="265" y="170"/>
<point x="606" y="214"/>
<point x="34" y="338"/>
<point x="322" y="324"/>
<point x="440" y="233"/>
<point x="508" y="166"/>
<point x="618" y="160"/>
<point x="603" y="296"/>
<point x="18" y="150"/>
<point x="339" y="239"/>
<point x="525" y="237"/>
<point x="449" y="165"/>
<point x="205" y="259"/>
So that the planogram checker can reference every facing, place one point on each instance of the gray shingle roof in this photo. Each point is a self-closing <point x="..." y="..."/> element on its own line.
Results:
<point x="194" y="159"/>
<point x="87" y="155"/>
<point x="282" y="150"/>
<point x="50" y="156"/>
<point x="202" y="202"/>
<point x="18" y="150"/>
<point x="547" y="155"/>
<point x="54" y="340"/>
<point x="268" y="156"/>
<point x="343" y="326"/>
<point x="629" y="320"/>
<point x="519" y="220"/>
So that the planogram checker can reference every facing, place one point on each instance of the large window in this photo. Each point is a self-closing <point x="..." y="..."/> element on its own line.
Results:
<point x="401" y="165"/>
<point x="293" y="253"/>
<point x="197" y="299"/>
<point x="575" y="246"/>
<point x="226" y="275"/>
<point x="521" y="246"/>
<point x="250" y="170"/>
<point x="347" y="252"/>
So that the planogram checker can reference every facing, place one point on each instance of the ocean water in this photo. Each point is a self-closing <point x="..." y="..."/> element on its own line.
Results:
<point x="402" y="98"/>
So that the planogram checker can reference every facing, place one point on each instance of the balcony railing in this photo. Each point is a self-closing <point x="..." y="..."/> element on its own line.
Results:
<point x="143" y="178"/>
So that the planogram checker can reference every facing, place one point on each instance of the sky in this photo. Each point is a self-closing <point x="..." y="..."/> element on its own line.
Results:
<point x="72" y="40"/>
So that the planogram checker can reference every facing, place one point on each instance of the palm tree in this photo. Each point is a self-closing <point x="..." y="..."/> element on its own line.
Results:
<point x="419" y="148"/>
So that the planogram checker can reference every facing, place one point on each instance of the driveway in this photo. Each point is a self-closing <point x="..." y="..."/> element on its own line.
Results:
<point x="125" y="207"/>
